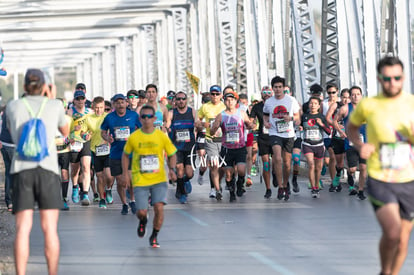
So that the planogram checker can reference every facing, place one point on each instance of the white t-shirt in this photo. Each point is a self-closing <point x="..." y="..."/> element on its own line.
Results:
<point x="277" y="109"/>
<point x="325" y="108"/>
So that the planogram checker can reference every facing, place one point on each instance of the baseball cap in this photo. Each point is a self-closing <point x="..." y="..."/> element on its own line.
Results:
<point x="141" y="93"/>
<point x="118" y="96"/>
<point x="171" y="94"/>
<point x="316" y="89"/>
<point x="215" y="88"/>
<point x="132" y="92"/>
<point x="34" y="77"/>
<point x="232" y="94"/>
<point x="80" y="86"/>
<point x="79" y="93"/>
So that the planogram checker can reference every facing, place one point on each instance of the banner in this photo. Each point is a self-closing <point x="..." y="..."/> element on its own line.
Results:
<point x="195" y="81"/>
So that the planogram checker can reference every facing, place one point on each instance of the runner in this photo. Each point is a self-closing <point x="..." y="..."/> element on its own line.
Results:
<point x="390" y="131"/>
<point x="182" y="135"/>
<point x="232" y="122"/>
<point x="284" y="111"/>
<point x="133" y="99"/>
<point x="314" y="124"/>
<point x="116" y="129"/>
<point x="148" y="147"/>
<point x="80" y="159"/>
<point x="352" y="155"/>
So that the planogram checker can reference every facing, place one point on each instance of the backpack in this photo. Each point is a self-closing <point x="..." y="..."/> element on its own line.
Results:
<point x="32" y="144"/>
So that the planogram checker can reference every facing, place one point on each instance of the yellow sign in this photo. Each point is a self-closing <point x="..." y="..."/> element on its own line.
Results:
<point x="195" y="81"/>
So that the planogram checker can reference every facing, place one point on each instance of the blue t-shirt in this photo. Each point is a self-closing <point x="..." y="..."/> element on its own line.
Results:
<point x="120" y="128"/>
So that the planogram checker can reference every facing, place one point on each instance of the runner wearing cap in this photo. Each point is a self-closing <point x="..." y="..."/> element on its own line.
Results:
<point x="133" y="99"/>
<point x="206" y="116"/>
<point x="116" y="129"/>
<point x="142" y="98"/>
<point x="171" y="100"/>
<point x="232" y="122"/>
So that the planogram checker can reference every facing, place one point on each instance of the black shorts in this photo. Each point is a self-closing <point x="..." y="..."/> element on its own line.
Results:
<point x="200" y="141"/>
<point x="100" y="162"/>
<point x="298" y="143"/>
<point x="317" y="151"/>
<point x="353" y="158"/>
<point x="285" y="143"/>
<point x="327" y="142"/>
<point x="338" y="146"/>
<point x="63" y="160"/>
<point x="185" y="157"/>
<point x="381" y="193"/>
<point x="265" y="148"/>
<point x="233" y="156"/>
<point x="86" y="151"/>
<point x="115" y="165"/>
<point x="36" y="185"/>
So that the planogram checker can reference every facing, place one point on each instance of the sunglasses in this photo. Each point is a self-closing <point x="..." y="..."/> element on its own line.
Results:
<point x="107" y="109"/>
<point x="80" y="98"/>
<point x="170" y="97"/>
<point x="388" y="78"/>
<point x="286" y="91"/>
<point x="331" y="93"/>
<point x="215" y="94"/>
<point x="144" y="116"/>
<point x="132" y="96"/>
<point x="267" y="92"/>
<point x="180" y="98"/>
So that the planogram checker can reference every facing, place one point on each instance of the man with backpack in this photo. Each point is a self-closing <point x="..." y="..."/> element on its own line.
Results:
<point x="33" y="122"/>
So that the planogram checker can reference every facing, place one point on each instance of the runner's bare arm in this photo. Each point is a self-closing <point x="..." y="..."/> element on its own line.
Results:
<point x="216" y="125"/>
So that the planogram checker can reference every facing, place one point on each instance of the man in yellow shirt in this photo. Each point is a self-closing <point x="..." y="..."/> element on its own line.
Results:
<point x="148" y="147"/>
<point x="389" y="151"/>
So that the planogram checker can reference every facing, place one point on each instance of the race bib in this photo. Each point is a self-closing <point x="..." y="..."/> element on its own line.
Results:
<point x="201" y="140"/>
<point x="394" y="155"/>
<point x="76" y="146"/>
<point x="183" y="135"/>
<point x="122" y="133"/>
<point x="265" y="130"/>
<point x="102" y="150"/>
<point x="282" y="126"/>
<point x="313" y="134"/>
<point x="232" y="137"/>
<point x="149" y="164"/>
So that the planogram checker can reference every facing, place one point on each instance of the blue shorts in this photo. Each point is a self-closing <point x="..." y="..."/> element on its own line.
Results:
<point x="158" y="194"/>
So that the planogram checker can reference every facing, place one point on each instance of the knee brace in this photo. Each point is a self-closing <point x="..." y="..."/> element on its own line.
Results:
<point x="266" y="166"/>
<point x="296" y="159"/>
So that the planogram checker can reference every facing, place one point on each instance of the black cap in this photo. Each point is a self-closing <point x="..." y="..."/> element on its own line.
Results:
<point x="171" y="94"/>
<point x="80" y="86"/>
<point x="132" y="92"/>
<point x="141" y="93"/>
<point x="316" y="89"/>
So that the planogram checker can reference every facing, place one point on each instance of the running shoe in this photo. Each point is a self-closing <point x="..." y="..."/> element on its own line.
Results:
<point x="177" y="193"/>
<point x="288" y="188"/>
<point x="108" y="195"/>
<point x="75" y="194"/>
<point x="212" y="193"/>
<point x="102" y="203"/>
<point x="232" y="196"/>
<point x="153" y="242"/>
<point x="85" y="200"/>
<point x="183" y="199"/>
<point x="323" y="172"/>
<point x="249" y="181"/>
<point x="361" y="196"/>
<point x="335" y="181"/>
<point x="314" y="193"/>
<point x="352" y="191"/>
<point x="133" y="207"/>
<point x="339" y="188"/>
<point x="274" y="181"/>
<point x="295" y="185"/>
<point x="65" y="206"/>
<point x="280" y="193"/>
<point x="268" y="194"/>
<point x="10" y="207"/>
<point x="219" y="196"/>
<point x="141" y="228"/>
<point x="124" y="210"/>
<point x="200" y="179"/>
<point x="240" y="191"/>
<point x="96" y="197"/>
<point x="287" y="193"/>
<point x="332" y="187"/>
<point x="188" y="187"/>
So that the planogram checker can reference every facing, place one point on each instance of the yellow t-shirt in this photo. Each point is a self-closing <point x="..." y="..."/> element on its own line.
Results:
<point x="61" y="145"/>
<point x="390" y="125"/>
<point x="79" y="119"/>
<point x="208" y="112"/>
<point x="93" y="125"/>
<point x="148" y="156"/>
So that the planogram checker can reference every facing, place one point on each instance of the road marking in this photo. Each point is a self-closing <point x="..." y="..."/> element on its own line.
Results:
<point x="273" y="265"/>
<point x="191" y="217"/>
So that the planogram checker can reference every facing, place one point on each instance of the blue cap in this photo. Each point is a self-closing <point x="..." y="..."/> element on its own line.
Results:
<point x="215" y="88"/>
<point x="79" y="93"/>
<point x="118" y="96"/>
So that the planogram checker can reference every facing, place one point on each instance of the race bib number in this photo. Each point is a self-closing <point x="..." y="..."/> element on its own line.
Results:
<point x="232" y="137"/>
<point x="394" y="155"/>
<point x="102" y="150"/>
<point x="265" y="130"/>
<point x="282" y="126"/>
<point x="76" y="146"/>
<point x="149" y="164"/>
<point x="122" y="133"/>
<point x="201" y="140"/>
<point x="183" y="136"/>
<point x="361" y="138"/>
<point x="313" y="134"/>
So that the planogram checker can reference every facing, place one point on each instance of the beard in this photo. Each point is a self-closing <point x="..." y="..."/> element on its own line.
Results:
<point x="387" y="93"/>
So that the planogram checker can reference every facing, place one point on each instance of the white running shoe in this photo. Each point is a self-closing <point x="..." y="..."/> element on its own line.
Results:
<point x="200" y="179"/>
<point x="212" y="193"/>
